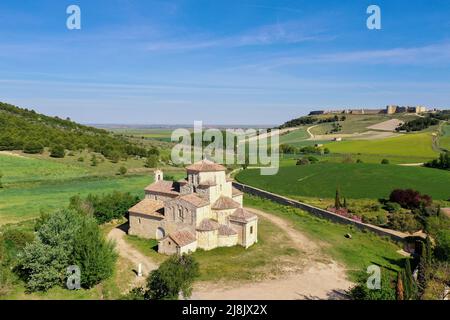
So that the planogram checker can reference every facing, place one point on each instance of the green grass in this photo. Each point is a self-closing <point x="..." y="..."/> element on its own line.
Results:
<point x="416" y="147"/>
<point x="444" y="139"/>
<point x="362" y="180"/>
<point x="155" y="134"/>
<point x="291" y="159"/>
<point x="26" y="169"/>
<point x="273" y="251"/>
<point x="26" y="202"/>
<point x="356" y="254"/>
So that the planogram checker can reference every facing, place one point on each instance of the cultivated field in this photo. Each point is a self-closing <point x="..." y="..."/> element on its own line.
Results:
<point x="416" y="146"/>
<point x="356" y="181"/>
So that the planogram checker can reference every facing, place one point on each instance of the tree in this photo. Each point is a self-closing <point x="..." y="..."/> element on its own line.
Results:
<point x="93" y="254"/>
<point x="122" y="171"/>
<point x="173" y="276"/>
<point x="361" y="292"/>
<point x="152" y="161"/>
<point x="337" y="200"/>
<point x="33" y="147"/>
<point x="94" y="160"/>
<point x="385" y="161"/>
<point x="1" y="176"/>
<point x="399" y="288"/>
<point x="57" y="151"/>
<point x="410" y="289"/>
<point x="63" y="239"/>
<point x="422" y="275"/>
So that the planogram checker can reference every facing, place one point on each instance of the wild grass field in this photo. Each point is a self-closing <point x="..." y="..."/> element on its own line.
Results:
<point x="357" y="180"/>
<point x="150" y="133"/>
<point x="357" y="253"/>
<point x="415" y="146"/>
<point x="38" y="183"/>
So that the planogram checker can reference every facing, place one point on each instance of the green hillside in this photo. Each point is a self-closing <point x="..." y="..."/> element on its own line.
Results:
<point x="27" y="130"/>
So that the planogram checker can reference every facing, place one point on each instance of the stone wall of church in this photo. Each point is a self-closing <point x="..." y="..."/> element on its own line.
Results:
<point x="227" y="241"/>
<point x="251" y="233"/>
<point x="207" y="240"/>
<point x="143" y="226"/>
<point x="239" y="199"/>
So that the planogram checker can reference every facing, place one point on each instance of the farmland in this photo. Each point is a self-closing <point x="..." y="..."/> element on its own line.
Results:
<point x="358" y="180"/>
<point x="416" y="147"/>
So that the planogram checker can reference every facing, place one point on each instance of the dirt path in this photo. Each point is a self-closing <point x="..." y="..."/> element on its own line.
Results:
<point x="131" y="254"/>
<point x="317" y="280"/>
<point x="311" y="136"/>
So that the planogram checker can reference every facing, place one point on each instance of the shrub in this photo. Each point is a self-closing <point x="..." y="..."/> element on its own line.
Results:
<point x="303" y="161"/>
<point x="361" y="292"/>
<point x="405" y="222"/>
<point x="174" y="276"/>
<point x="105" y="207"/>
<point x="326" y="151"/>
<point x="385" y="161"/>
<point x="392" y="206"/>
<point x="410" y="199"/>
<point x="122" y="170"/>
<point x="33" y="147"/>
<point x="1" y="176"/>
<point x="80" y="159"/>
<point x="57" y="152"/>
<point x="151" y="162"/>
<point x="65" y="238"/>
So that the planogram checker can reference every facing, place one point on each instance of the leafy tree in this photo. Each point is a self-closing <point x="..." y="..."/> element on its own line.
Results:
<point x="152" y="161"/>
<point x="33" y="147"/>
<point x="94" y="160"/>
<point x="63" y="239"/>
<point x="337" y="200"/>
<point x="410" y="199"/>
<point x="43" y="262"/>
<point x="57" y="151"/>
<point x="443" y="162"/>
<point x="173" y="276"/>
<point x="122" y="171"/>
<point x="93" y="254"/>
<point x="422" y="275"/>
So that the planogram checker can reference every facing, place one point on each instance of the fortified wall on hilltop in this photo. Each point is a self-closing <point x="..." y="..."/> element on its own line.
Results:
<point x="391" y="109"/>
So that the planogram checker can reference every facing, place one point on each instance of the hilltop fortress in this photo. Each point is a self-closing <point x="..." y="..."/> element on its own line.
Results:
<point x="391" y="109"/>
<point x="202" y="211"/>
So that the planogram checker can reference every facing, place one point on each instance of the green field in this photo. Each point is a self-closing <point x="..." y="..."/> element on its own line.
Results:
<point x="155" y="134"/>
<point x="417" y="147"/>
<point x="356" y="254"/>
<point x="444" y="139"/>
<point x="356" y="181"/>
<point x="38" y="183"/>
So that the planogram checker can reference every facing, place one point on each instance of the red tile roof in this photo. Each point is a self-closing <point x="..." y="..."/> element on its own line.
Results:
<point x="208" y="225"/>
<point x="226" y="230"/>
<point x="182" y="237"/>
<point x="225" y="203"/>
<point x="236" y="192"/>
<point x="194" y="200"/>
<point x="205" y="166"/>
<point x="242" y="215"/>
<point x="148" y="207"/>
<point x="164" y="187"/>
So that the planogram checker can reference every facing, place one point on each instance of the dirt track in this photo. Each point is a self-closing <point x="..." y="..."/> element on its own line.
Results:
<point x="317" y="280"/>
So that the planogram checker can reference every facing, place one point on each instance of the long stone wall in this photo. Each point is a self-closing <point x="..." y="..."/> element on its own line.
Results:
<point x="321" y="213"/>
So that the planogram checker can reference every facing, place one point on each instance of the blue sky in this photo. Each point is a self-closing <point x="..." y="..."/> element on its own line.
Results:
<point x="222" y="62"/>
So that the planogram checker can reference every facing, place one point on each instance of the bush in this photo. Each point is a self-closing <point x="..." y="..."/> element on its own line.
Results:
<point x="326" y="151"/>
<point x="1" y="176"/>
<point x="174" y="276"/>
<point x="410" y="199"/>
<point x="33" y="147"/>
<point x="65" y="238"/>
<point x="404" y="222"/>
<point x="105" y="207"/>
<point x="57" y="152"/>
<point x="80" y="159"/>
<point x="361" y="292"/>
<point x="122" y="171"/>
<point x="385" y="161"/>
<point x="152" y="161"/>
<point x="303" y="161"/>
<point x="392" y="206"/>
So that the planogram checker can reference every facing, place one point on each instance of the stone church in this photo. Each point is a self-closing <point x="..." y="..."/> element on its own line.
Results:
<point x="202" y="211"/>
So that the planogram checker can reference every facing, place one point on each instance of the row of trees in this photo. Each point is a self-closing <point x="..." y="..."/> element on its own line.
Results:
<point x="443" y="162"/>
<point x="418" y="124"/>
<point x="307" y="120"/>
<point x="289" y="149"/>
